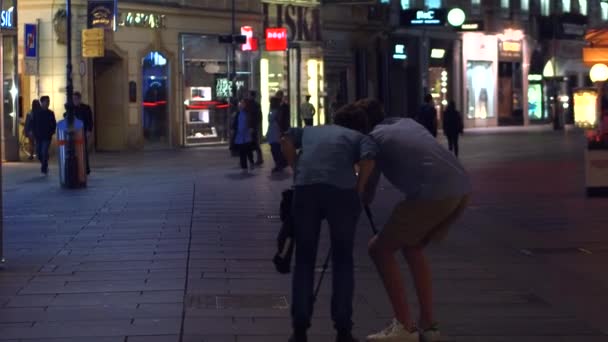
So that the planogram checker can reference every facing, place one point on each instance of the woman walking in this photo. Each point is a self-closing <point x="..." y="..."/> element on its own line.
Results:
<point x="452" y="126"/>
<point x="244" y="129"/>
<point x="273" y="135"/>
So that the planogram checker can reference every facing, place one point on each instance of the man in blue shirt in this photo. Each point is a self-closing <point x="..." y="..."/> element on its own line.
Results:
<point x="326" y="187"/>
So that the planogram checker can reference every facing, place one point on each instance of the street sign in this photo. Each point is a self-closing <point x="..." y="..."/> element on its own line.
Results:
<point x="30" y="43"/>
<point x="93" y="43"/>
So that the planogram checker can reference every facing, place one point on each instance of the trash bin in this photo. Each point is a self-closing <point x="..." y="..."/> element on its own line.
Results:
<point x="72" y="164"/>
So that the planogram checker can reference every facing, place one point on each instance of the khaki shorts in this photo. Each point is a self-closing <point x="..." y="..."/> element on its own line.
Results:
<point x="416" y="223"/>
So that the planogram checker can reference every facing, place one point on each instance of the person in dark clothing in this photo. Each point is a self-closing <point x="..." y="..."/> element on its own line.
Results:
<point x="284" y="112"/>
<point x="244" y="130"/>
<point x="257" y="114"/>
<point x="427" y="116"/>
<point x="43" y="128"/>
<point x="29" y="129"/>
<point x="452" y="126"/>
<point x="84" y="113"/>
<point x="273" y="135"/>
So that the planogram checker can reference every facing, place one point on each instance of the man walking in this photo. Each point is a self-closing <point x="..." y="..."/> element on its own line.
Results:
<point x="257" y="115"/>
<point x="43" y="128"/>
<point x="428" y="115"/>
<point x="84" y="113"/>
<point x="307" y="111"/>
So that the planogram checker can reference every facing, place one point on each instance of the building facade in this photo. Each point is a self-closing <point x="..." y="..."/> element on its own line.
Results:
<point x="166" y="79"/>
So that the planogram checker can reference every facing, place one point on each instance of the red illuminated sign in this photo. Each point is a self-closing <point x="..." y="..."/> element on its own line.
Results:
<point x="276" y="39"/>
<point x="252" y="43"/>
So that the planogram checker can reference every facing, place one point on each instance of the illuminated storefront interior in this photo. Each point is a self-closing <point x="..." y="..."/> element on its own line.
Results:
<point x="10" y="87"/>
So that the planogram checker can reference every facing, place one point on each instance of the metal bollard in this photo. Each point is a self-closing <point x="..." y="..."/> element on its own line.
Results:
<point x="72" y="168"/>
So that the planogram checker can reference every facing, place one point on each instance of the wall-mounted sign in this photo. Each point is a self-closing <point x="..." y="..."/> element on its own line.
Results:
<point x="276" y="39"/>
<point x="93" y="43"/>
<point x="303" y="23"/>
<point x="432" y="17"/>
<point x="471" y="26"/>
<point x="510" y="49"/>
<point x="251" y="44"/>
<point x="7" y="18"/>
<point x="102" y="14"/>
<point x="399" y="52"/>
<point x="30" y="45"/>
<point x="437" y="53"/>
<point x="144" y="20"/>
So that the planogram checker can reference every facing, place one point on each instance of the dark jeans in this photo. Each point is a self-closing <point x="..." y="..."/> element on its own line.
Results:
<point x="256" y="146"/>
<point x="42" y="150"/>
<point x="245" y="153"/>
<point x="86" y="153"/>
<point x="453" y="143"/>
<point x="277" y="156"/>
<point x="307" y="122"/>
<point x="341" y="208"/>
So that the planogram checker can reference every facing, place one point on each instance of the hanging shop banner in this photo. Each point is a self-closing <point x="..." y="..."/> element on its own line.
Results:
<point x="102" y="14"/>
<point x="30" y="44"/>
<point x="303" y="23"/>
<point x="419" y="17"/>
<point x="276" y="39"/>
<point x="93" y="43"/>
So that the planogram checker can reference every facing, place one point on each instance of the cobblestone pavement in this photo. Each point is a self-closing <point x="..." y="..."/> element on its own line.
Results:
<point x="176" y="246"/>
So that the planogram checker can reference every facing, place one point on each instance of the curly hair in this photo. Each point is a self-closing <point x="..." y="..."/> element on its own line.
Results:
<point x="353" y="117"/>
<point x="374" y="110"/>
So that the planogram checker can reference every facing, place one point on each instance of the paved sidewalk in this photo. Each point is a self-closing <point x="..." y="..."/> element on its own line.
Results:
<point x="176" y="246"/>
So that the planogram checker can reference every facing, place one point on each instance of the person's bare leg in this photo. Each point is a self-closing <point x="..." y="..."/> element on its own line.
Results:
<point x="383" y="255"/>
<point x="421" y="274"/>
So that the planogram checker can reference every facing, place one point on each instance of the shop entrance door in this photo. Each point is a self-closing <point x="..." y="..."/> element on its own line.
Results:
<point x="109" y="105"/>
<point x="155" y="116"/>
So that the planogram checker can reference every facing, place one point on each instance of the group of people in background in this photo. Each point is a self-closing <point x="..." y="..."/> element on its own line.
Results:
<point x="451" y="119"/>
<point x="41" y="125"/>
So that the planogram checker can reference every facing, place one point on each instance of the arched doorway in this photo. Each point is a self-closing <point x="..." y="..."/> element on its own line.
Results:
<point x="155" y="83"/>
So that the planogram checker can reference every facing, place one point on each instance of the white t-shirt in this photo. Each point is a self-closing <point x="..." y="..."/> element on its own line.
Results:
<point x="415" y="163"/>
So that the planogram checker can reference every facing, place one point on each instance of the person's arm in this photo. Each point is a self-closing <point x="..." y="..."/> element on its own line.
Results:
<point x="368" y="195"/>
<point x="313" y="110"/>
<point x="366" y="167"/>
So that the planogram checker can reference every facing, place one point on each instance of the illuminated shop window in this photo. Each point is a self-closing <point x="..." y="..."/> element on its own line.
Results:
<point x="604" y="7"/>
<point x="545" y="7"/>
<point x="432" y="3"/>
<point x="525" y="5"/>
<point x="405" y="4"/>
<point x="504" y="3"/>
<point x="582" y="7"/>
<point x="566" y="6"/>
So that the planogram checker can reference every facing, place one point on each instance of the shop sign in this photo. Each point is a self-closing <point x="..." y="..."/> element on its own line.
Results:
<point x="251" y="44"/>
<point x="30" y="44"/>
<point x="276" y="39"/>
<point x="143" y="20"/>
<point x="303" y="23"/>
<point x="510" y="49"/>
<point x="399" y="52"/>
<point x="471" y="26"/>
<point x="432" y="17"/>
<point x="93" y="43"/>
<point x="7" y="17"/>
<point x="102" y="14"/>
<point x="568" y="26"/>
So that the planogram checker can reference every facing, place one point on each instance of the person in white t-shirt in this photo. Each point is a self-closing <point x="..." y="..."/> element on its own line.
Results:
<point x="307" y="112"/>
<point x="436" y="191"/>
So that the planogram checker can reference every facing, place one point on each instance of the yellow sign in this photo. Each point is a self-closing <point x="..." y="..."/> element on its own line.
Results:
<point x="511" y="46"/>
<point x="93" y="43"/>
<point x="585" y="108"/>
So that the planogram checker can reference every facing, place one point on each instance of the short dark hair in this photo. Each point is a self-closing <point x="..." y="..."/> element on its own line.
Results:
<point x="45" y="98"/>
<point x="78" y="94"/>
<point x="374" y="110"/>
<point x="428" y="98"/>
<point x="353" y="117"/>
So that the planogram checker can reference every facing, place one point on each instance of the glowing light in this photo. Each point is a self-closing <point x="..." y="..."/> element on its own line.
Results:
<point x="585" y="108"/>
<point x="456" y="17"/>
<point x="313" y="83"/>
<point x="549" y="69"/>
<point x="264" y="92"/>
<point x="437" y="53"/>
<point x="599" y="73"/>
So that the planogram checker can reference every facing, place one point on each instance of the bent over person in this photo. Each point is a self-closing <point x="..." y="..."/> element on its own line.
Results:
<point x="326" y="187"/>
<point x="435" y="190"/>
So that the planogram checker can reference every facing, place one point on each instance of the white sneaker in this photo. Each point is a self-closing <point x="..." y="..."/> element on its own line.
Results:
<point x="395" y="332"/>
<point x="431" y="334"/>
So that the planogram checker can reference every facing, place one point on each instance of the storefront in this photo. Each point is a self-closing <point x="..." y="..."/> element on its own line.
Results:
<point x="510" y="78"/>
<point x="10" y="88"/>
<point x="292" y="59"/>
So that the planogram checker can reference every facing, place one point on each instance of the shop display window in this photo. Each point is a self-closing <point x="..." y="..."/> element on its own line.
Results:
<point x="535" y="102"/>
<point x="208" y="88"/>
<point x="480" y="90"/>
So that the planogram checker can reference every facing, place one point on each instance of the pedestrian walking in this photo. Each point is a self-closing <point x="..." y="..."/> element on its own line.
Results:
<point x="244" y="129"/>
<point x="452" y="126"/>
<point x="273" y="135"/>
<point x="44" y="125"/>
<point x="326" y="187"/>
<point x="436" y="189"/>
<point x="427" y="116"/>
<point x="83" y="112"/>
<point x="257" y="135"/>
<point x="307" y="112"/>
<point x="284" y="112"/>
<point x="28" y="128"/>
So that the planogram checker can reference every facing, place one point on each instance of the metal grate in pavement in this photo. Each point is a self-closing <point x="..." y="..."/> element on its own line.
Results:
<point x="555" y="251"/>
<point x="225" y="302"/>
